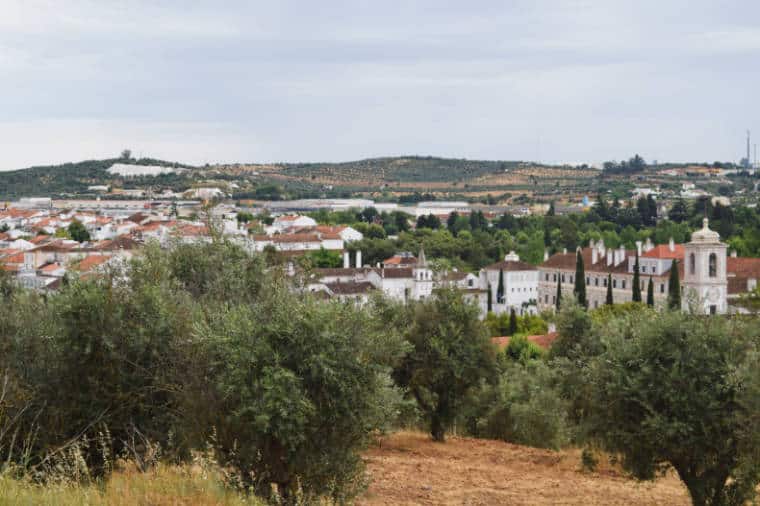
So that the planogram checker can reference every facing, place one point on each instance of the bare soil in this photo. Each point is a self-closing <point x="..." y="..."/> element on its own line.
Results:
<point x="407" y="468"/>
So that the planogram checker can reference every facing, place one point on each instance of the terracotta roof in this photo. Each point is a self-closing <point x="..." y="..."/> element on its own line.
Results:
<point x="663" y="251"/>
<point x="351" y="288"/>
<point x="121" y="242"/>
<point x="50" y="267"/>
<point x="515" y="265"/>
<point x="545" y="341"/>
<point x="395" y="272"/>
<point x="737" y="285"/>
<point x="15" y="258"/>
<point x="90" y="262"/>
<point x="743" y="266"/>
<point x="400" y="260"/>
<point x="339" y="271"/>
<point x="566" y="261"/>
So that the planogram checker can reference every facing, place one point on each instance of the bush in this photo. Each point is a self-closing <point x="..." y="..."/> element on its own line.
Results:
<point x="523" y="408"/>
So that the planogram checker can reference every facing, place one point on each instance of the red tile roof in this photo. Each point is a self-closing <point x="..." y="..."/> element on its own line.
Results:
<point x="512" y="265"/>
<point x="663" y="251"/>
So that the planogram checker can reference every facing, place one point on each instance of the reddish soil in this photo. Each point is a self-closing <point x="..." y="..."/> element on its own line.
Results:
<point x="407" y="468"/>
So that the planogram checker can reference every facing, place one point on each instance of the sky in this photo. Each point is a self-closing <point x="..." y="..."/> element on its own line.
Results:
<point x="239" y="81"/>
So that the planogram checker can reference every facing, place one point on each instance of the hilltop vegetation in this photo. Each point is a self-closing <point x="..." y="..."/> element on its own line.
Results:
<point x="74" y="178"/>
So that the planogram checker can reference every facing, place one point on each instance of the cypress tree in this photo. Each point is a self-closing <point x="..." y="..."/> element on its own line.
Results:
<point x="512" y="322"/>
<point x="636" y="281"/>
<point x="579" y="290"/>
<point x="674" y="287"/>
<point x="500" y="288"/>
<point x="650" y="293"/>
<point x="609" y="300"/>
<point x="490" y="299"/>
<point x="559" y="291"/>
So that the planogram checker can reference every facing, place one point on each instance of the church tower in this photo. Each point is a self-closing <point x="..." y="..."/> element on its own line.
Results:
<point x="423" y="277"/>
<point x="705" y="283"/>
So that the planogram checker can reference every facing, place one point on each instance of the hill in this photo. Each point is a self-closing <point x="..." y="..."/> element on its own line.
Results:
<point x="408" y="468"/>
<point x="392" y="176"/>
<point x="74" y="178"/>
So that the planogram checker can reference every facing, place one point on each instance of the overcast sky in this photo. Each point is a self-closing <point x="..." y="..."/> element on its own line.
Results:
<point x="553" y="81"/>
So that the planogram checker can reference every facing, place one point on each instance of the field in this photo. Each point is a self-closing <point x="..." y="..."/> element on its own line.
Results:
<point x="409" y="469"/>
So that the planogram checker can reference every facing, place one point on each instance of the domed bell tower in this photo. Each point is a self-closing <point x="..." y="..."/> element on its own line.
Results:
<point x="705" y="283"/>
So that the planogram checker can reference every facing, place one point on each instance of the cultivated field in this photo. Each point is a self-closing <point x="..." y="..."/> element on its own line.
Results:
<point x="409" y="469"/>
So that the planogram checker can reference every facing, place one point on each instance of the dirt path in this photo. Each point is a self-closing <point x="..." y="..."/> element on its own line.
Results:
<point x="408" y="468"/>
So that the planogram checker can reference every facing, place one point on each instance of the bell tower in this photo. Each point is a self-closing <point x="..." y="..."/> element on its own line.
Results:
<point x="705" y="283"/>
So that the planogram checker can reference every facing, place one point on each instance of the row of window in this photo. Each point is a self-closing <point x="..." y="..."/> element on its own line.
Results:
<point x="596" y="282"/>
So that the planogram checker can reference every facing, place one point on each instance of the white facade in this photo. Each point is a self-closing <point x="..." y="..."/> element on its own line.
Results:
<point x="520" y="285"/>
<point x="705" y="282"/>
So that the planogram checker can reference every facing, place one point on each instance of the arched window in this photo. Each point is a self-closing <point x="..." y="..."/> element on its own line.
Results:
<point x="713" y="262"/>
<point x="692" y="264"/>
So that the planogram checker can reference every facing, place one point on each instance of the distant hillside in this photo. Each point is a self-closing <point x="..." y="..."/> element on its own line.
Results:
<point x="403" y="169"/>
<point x="74" y="178"/>
<point x="402" y="175"/>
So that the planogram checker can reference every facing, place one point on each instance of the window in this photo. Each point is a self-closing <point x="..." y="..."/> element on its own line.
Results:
<point x="588" y="280"/>
<point x="596" y="304"/>
<point x="692" y="264"/>
<point x="554" y="278"/>
<point x="604" y="282"/>
<point x="596" y="281"/>
<point x="713" y="308"/>
<point x="546" y="299"/>
<point x="662" y="287"/>
<point x="614" y="283"/>
<point x="554" y="299"/>
<point x="713" y="265"/>
<point x="563" y="278"/>
<point x="547" y="276"/>
<point x="623" y="284"/>
<point x="571" y="279"/>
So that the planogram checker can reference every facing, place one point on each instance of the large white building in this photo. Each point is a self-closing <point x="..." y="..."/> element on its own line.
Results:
<point x="520" y="281"/>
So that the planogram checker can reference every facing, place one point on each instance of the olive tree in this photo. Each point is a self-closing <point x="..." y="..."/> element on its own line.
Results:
<point x="666" y="392"/>
<point x="450" y="355"/>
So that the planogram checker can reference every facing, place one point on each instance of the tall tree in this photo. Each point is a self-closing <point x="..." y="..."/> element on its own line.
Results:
<point x="609" y="300"/>
<point x="636" y="297"/>
<point x="489" y="299"/>
<point x="558" y="302"/>
<point x="679" y="212"/>
<point x="512" y="322"/>
<point x="451" y="354"/>
<point x="451" y="222"/>
<point x="645" y="403"/>
<point x="579" y="290"/>
<point x="500" y="288"/>
<point x="551" y="211"/>
<point x="674" y="287"/>
<point x="650" y="293"/>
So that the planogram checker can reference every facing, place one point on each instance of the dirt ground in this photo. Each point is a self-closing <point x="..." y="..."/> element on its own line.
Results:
<point x="407" y="468"/>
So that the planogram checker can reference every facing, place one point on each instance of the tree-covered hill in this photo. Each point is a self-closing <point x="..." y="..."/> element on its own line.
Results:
<point x="74" y="178"/>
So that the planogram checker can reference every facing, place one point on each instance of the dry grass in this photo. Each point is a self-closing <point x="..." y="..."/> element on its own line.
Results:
<point x="163" y="485"/>
<point x="409" y="469"/>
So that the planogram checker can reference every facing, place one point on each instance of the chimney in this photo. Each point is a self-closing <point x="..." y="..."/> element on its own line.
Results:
<point x="609" y="257"/>
<point x="564" y="251"/>
<point x="358" y="259"/>
<point x="546" y="255"/>
<point x="602" y="247"/>
<point x="638" y="247"/>
<point x="621" y="255"/>
<point x="594" y="255"/>
<point x="671" y="245"/>
<point x="591" y="244"/>
<point x="648" y="245"/>
<point x="733" y="253"/>
<point x="346" y="260"/>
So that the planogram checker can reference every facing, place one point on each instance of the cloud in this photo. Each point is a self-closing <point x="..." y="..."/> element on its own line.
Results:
<point x="584" y="80"/>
